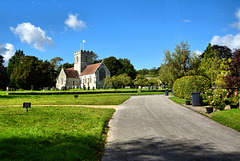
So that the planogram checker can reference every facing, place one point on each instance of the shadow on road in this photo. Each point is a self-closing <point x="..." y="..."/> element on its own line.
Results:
<point x="152" y="149"/>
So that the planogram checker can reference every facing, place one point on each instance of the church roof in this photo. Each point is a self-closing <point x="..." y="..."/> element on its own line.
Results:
<point x="71" y="73"/>
<point x="90" y="69"/>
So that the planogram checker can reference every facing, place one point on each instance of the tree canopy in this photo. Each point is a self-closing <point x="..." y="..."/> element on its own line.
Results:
<point x="4" y="80"/>
<point x="33" y="72"/>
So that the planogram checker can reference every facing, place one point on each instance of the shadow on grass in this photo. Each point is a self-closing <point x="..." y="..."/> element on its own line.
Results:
<point x="166" y="150"/>
<point x="59" y="147"/>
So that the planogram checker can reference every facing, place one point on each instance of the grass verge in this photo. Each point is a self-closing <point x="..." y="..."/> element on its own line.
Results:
<point x="178" y="100"/>
<point x="230" y="118"/>
<point x="84" y="99"/>
<point x="52" y="133"/>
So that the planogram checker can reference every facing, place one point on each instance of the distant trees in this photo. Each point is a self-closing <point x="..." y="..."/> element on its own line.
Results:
<point x="178" y="64"/>
<point x="118" y="81"/>
<point x="13" y="62"/>
<point x="4" y="80"/>
<point x="33" y="72"/>
<point x="120" y="66"/>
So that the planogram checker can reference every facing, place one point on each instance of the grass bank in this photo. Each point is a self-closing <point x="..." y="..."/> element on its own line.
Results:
<point x="230" y="118"/>
<point x="52" y="133"/>
<point x="178" y="100"/>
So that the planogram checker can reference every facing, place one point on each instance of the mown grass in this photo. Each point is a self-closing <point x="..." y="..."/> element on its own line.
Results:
<point x="230" y="118"/>
<point x="52" y="133"/>
<point x="85" y="99"/>
<point x="178" y="100"/>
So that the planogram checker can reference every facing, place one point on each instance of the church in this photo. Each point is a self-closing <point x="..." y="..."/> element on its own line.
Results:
<point x="84" y="74"/>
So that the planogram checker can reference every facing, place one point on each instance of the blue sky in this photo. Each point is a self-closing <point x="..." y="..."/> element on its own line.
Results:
<point x="139" y="30"/>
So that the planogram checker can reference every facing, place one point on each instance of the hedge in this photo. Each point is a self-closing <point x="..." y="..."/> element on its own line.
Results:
<point x="183" y="87"/>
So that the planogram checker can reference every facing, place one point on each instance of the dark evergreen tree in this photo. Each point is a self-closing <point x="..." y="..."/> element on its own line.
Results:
<point x="4" y="80"/>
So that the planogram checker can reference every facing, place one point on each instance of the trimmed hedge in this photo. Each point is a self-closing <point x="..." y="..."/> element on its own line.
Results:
<point x="183" y="87"/>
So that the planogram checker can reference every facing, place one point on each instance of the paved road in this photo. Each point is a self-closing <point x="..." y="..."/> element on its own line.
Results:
<point x="155" y="128"/>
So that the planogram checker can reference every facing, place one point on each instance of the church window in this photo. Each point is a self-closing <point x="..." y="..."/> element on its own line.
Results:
<point x="62" y="81"/>
<point x="77" y="59"/>
<point x="73" y="83"/>
<point x="102" y="74"/>
<point x="86" y="59"/>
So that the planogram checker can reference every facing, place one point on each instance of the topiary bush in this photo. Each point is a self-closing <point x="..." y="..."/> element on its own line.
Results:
<point x="183" y="87"/>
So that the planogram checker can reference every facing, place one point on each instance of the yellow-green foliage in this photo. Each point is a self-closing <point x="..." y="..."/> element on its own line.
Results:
<point x="183" y="87"/>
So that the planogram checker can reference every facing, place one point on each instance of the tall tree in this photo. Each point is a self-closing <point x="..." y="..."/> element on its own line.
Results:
<point x="140" y="81"/>
<point x="113" y="65"/>
<point x="176" y="64"/>
<point x="233" y="77"/>
<point x="14" y="61"/>
<point x="210" y="65"/>
<point x="127" y="68"/>
<point x="143" y="71"/>
<point x="31" y="71"/>
<point x="56" y="62"/>
<point x="4" y="80"/>
<point x="223" y="52"/>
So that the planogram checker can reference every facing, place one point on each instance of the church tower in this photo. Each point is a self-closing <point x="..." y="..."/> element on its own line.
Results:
<point x="82" y="59"/>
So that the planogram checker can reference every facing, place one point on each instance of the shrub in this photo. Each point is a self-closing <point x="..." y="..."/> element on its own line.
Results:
<point x="183" y="87"/>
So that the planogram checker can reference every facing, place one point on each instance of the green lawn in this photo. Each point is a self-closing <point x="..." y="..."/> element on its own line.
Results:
<point x="230" y="118"/>
<point x="178" y="100"/>
<point x="84" y="99"/>
<point x="52" y="133"/>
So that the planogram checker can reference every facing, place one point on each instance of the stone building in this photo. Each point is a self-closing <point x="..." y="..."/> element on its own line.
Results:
<point x="84" y="73"/>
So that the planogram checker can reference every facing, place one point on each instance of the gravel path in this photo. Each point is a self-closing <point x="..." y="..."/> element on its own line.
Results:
<point x="155" y="128"/>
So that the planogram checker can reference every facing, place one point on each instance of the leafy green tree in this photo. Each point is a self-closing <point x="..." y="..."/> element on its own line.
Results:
<point x="127" y="68"/>
<point x="153" y="71"/>
<point x="143" y="71"/>
<point x="124" y="80"/>
<point x="56" y="62"/>
<point x="4" y="80"/>
<point x="113" y="65"/>
<point x="178" y="64"/>
<point x="13" y="63"/>
<point x="153" y="82"/>
<point x="33" y="72"/>
<point x="210" y="65"/>
<point x="140" y="81"/>
<point x="117" y="81"/>
<point x="223" y="52"/>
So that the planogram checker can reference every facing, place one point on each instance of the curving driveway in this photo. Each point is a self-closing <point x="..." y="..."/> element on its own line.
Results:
<point x="155" y="128"/>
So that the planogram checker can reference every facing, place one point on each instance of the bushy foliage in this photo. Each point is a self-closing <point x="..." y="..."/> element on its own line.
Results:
<point x="183" y="87"/>
<point x="233" y="77"/>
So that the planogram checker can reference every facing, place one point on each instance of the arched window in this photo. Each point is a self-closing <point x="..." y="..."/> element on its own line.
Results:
<point x="77" y="59"/>
<point x="102" y="74"/>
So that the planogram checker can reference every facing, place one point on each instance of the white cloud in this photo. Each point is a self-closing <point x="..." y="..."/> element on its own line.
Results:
<point x="198" y="52"/>
<point x="231" y="41"/>
<point x="74" y="23"/>
<point x="7" y="51"/>
<point x="34" y="36"/>
<point x="187" y="21"/>
<point x="237" y="24"/>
